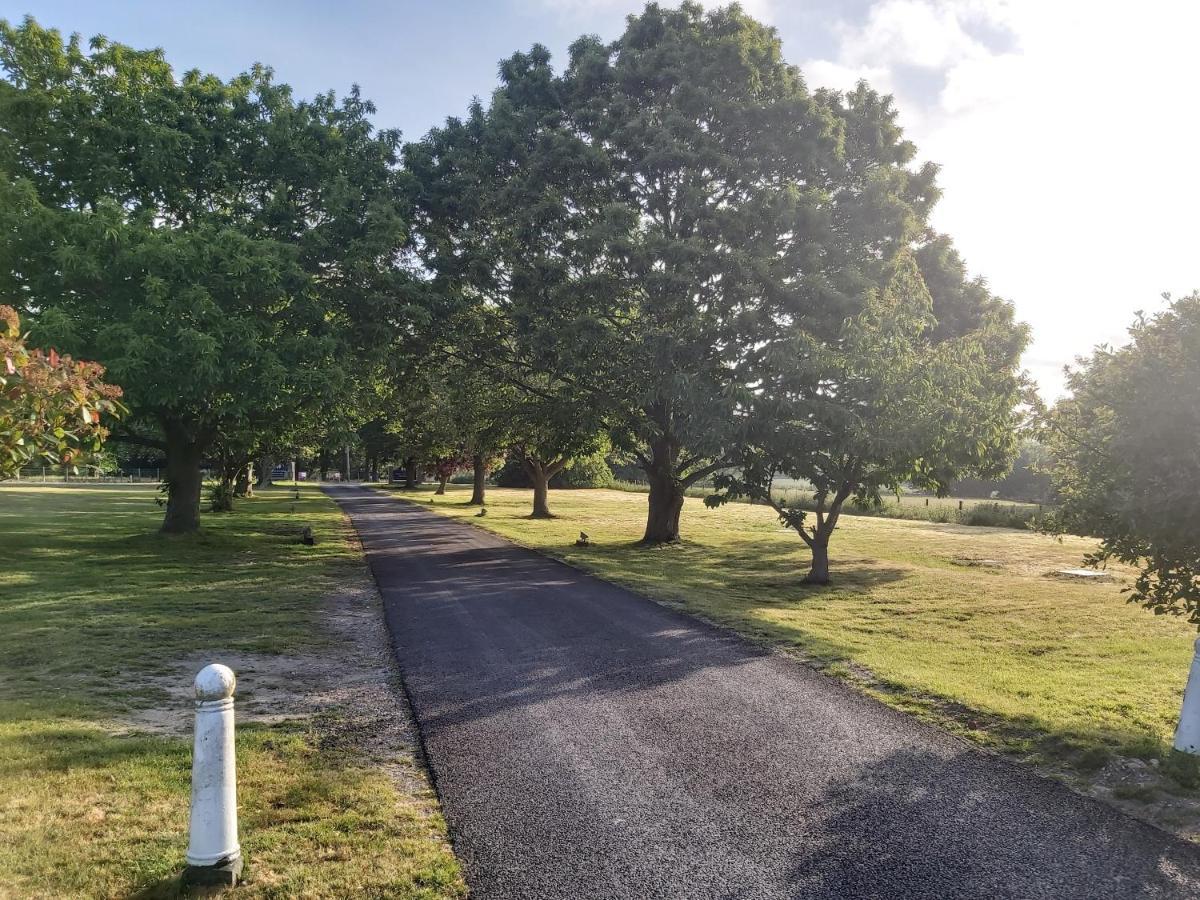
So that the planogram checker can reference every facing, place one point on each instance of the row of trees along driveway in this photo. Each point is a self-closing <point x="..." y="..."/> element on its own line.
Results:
<point x="731" y="275"/>
<point x="671" y="249"/>
<point x="227" y="252"/>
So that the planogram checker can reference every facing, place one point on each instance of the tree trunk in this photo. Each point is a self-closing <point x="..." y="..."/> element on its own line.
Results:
<point x="244" y="487"/>
<point x="818" y="573"/>
<point x="183" y="481"/>
<point x="411" y="475"/>
<point x="666" y="496"/>
<point x="441" y="488"/>
<point x="480" y="488"/>
<point x="541" y="496"/>
<point x="539" y="476"/>
<point x="265" y="465"/>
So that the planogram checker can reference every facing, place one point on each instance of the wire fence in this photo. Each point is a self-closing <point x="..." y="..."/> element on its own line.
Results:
<point x="60" y="475"/>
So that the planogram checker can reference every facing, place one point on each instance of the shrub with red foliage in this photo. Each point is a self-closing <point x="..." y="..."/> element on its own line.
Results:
<point x="50" y="405"/>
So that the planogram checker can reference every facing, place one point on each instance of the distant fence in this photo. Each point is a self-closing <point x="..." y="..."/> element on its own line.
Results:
<point x="59" y="475"/>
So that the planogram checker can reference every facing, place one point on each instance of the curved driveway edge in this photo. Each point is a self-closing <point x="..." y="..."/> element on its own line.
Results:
<point x="588" y="743"/>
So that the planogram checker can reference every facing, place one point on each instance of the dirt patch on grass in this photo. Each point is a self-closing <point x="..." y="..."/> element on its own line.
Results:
<point x="351" y="696"/>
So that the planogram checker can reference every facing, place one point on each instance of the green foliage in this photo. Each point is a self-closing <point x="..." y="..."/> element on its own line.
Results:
<point x="999" y="515"/>
<point x="1029" y="479"/>
<point x="1125" y="463"/>
<point x="588" y="471"/>
<point x="220" y="496"/>
<point x="658" y="225"/>
<point x="50" y="405"/>
<point x="896" y="400"/>
<point x="227" y="252"/>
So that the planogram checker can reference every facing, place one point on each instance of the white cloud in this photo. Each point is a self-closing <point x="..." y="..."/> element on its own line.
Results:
<point x="574" y="9"/>
<point x="1066" y="149"/>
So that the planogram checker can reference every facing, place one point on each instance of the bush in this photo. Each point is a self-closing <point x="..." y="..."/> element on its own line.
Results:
<point x="998" y="515"/>
<point x="586" y="472"/>
<point x="220" y="497"/>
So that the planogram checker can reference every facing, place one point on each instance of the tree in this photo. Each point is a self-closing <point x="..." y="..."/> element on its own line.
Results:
<point x="1028" y="481"/>
<point x="708" y="142"/>
<point x="228" y="253"/>
<point x="499" y="242"/>
<point x="893" y="401"/>
<point x="446" y="467"/>
<point x="646" y="220"/>
<point x="551" y="428"/>
<point x="50" y="405"/>
<point x="1124" y="457"/>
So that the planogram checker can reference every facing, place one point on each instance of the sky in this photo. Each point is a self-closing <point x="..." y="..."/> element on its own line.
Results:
<point x="1066" y="130"/>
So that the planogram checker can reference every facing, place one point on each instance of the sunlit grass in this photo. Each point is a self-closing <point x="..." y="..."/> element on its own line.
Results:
<point x="964" y="625"/>
<point x="95" y="607"/>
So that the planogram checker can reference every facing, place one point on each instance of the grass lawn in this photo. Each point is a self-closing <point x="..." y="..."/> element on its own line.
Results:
<point x="958" y="624"/>
<point x="96" y="609"/>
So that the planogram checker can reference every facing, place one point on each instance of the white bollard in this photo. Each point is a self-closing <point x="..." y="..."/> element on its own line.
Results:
<point x="213" y="854"/>
<point x="1187" y="735"/>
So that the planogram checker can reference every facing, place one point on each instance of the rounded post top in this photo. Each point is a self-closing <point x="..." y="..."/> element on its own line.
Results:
<point x="215" y="682"/>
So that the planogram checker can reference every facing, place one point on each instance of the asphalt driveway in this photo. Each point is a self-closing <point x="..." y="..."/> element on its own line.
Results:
<point x="587" y="743"/>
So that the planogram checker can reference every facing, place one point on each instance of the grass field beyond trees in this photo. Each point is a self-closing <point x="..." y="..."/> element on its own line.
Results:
<point x="96" y="610"/>
<point x="964" y="625"/>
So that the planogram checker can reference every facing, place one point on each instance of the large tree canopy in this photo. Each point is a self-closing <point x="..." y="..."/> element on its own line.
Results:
<point x="228" y="253"/>
<point x="1125" y="465"/>
<point x="901" y="397"/>
<point x="652" y="221"/>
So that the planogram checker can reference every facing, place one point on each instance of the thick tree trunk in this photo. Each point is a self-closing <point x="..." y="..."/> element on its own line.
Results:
<point x="265" y="465"/>
<point x="411" y="473"/>
<point x="541" y="494"/>
<point x="818" y="573"/>
<point x="539" y="476"/>
<point x="478" y="492"/>
<point x="666" y="496"/>
<point x="665" y="507"/>
<point x="441" y="488"/>
<point x="183" y="481"/>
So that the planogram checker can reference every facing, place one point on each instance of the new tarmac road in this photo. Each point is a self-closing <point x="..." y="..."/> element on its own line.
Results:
<point x="588" y="743"/>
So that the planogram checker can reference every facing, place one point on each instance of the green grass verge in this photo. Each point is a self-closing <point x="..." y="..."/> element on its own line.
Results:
<point x="962" y="625"/>
<point x="94" y="606"/>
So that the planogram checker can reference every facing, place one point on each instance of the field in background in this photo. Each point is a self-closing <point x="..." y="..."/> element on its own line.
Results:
<point x="946" y="510"/>
<point x="97" y="612"/>
<point x="965" y="626"/>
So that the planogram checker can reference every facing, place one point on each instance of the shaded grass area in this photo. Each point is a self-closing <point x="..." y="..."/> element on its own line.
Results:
<point x="962" y="625"/>
<point x="94" y="605"/>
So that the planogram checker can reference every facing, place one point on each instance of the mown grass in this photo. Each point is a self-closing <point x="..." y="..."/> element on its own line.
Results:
<point x="963" y="625"/>
<point x="946" y="510"/>
<point x="95" y="608"/>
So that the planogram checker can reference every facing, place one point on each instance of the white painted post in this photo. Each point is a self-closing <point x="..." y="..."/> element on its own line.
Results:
<point x="214" y="856"/>
<point x="1187" y="735"/>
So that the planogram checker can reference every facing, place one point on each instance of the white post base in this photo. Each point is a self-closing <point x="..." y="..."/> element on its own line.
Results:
<point x="1187" y="735"/>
